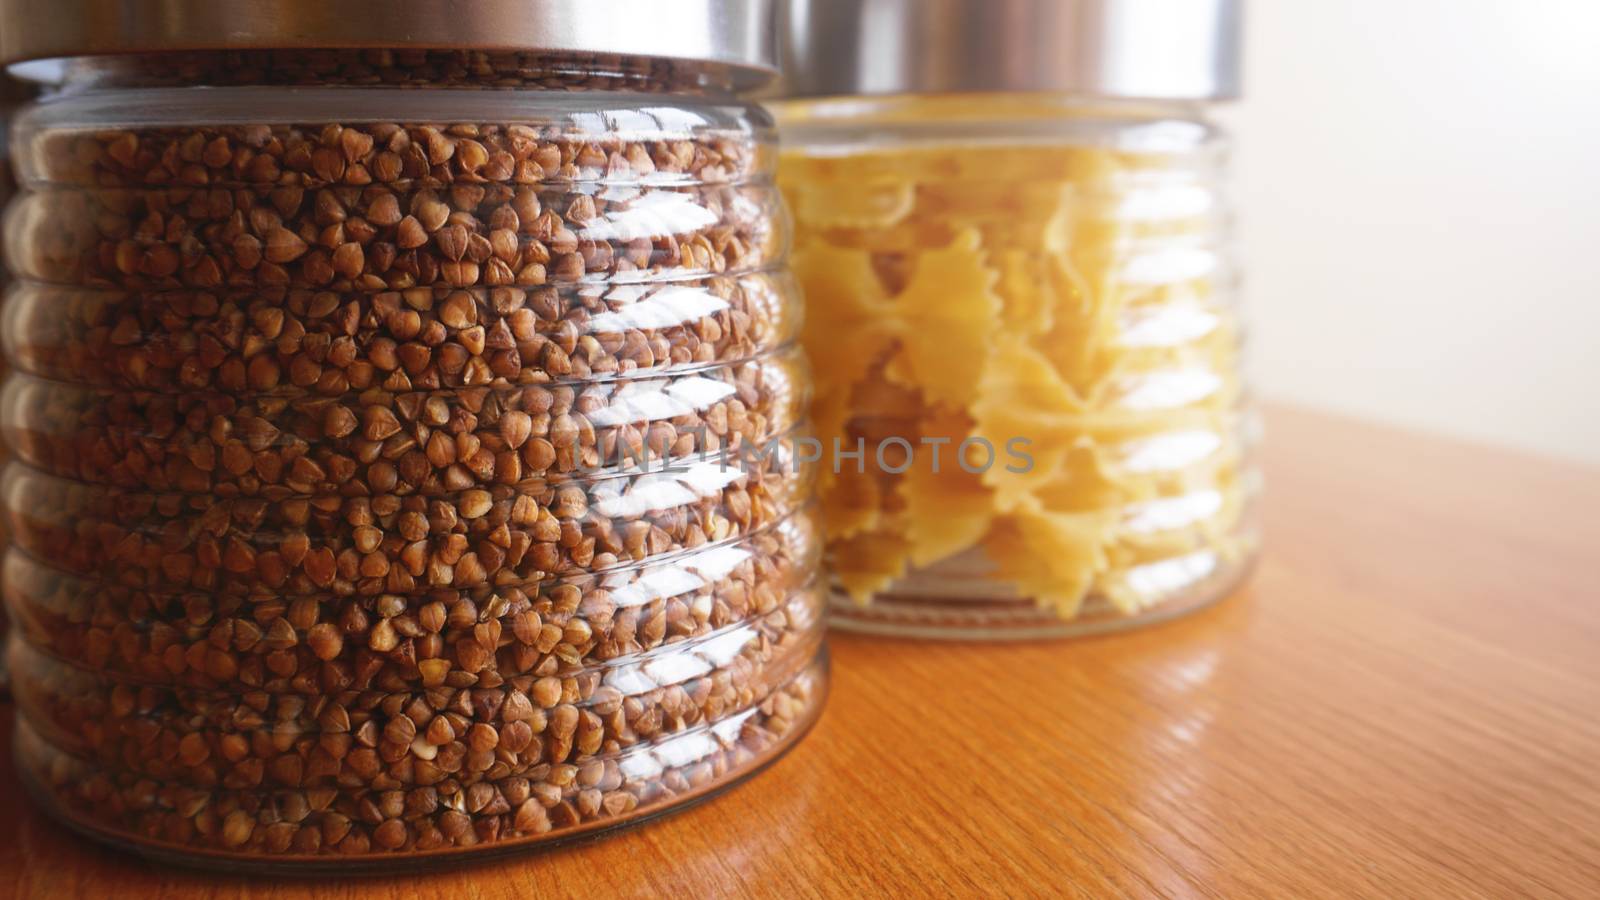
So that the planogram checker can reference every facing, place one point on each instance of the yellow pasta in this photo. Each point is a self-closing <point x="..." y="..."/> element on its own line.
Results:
<point x="945" y="317"/>
<point x="845" y="335"/>
<point x="870" y="561"/>
<point x="1062" y="308"/>
<point x="876" y="204"/>
<point x="948" y="508"/>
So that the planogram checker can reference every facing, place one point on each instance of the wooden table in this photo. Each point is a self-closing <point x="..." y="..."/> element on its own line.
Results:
<point x="1404" y="703"/>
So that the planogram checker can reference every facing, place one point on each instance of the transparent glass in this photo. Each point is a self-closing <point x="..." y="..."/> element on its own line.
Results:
<point x="405" y="453"/>
<point x="12" y="92"/>
<point x="1021" y="312"/>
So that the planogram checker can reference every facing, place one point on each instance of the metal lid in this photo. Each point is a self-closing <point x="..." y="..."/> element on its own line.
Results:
<point x="736" y="33"/>
<point x="1145" y="49"/>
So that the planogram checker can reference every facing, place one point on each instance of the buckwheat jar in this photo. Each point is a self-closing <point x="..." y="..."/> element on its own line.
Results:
<point x="405" y="436"/>
<point x="1013" y="235"/>
<point x="12" y="94"/>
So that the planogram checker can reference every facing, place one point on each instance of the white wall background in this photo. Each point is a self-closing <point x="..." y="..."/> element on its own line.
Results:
<point x="1420" y="199"/>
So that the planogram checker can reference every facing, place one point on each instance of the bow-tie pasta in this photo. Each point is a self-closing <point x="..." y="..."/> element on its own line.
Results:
<point x="1034" y="345"/>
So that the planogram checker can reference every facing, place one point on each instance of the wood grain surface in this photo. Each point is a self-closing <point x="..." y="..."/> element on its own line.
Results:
<point x="1404" y="703"/>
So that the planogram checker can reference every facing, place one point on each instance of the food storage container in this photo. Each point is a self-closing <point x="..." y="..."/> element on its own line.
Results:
<point x="13" y="92"/>
<point x="1013" y="234"/>
<point x="406" y="413"/>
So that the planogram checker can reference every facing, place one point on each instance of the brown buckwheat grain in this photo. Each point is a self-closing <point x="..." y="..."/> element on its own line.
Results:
<point x="397" y="485"/>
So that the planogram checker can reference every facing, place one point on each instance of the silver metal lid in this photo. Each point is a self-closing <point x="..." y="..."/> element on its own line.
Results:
<point x="736" y="33"/>
<point x="1144" y="49"/>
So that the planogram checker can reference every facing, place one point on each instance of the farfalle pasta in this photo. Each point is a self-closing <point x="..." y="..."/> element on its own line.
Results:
<point x="1022" y="325"/>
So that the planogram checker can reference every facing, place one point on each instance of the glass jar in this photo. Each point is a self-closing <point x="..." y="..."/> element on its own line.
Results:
<point x="405" y="438"/>
<point x="13" y="93"/>
<point x="8" y="99"/>
<point x="1022" y="310"/>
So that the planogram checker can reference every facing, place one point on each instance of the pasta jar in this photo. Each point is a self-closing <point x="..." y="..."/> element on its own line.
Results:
<point x="1012" y="234"/>
<point x="404" y="406"/>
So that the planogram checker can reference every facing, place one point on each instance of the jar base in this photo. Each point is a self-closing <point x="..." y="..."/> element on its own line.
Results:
<point x="812" y="686"/>
<point x="970" y="617"/>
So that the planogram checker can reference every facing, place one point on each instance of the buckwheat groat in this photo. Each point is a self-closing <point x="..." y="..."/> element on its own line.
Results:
<point x="312" y="643"/>
<point x="294" y="441"/>
<point x="407" y="463"/>
<point x="422" y="736"/>
<point x="414" y="339"/>
<point x="425" y="819"/>
<point x="12" y="93"/>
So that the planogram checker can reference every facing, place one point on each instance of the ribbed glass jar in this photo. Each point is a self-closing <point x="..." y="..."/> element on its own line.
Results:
<point x="13" y="94"/>
<point x="405" y="456"/>
<point x="1022" y="318"/>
